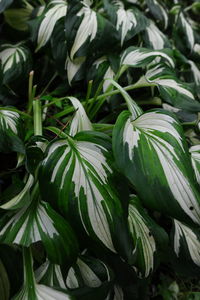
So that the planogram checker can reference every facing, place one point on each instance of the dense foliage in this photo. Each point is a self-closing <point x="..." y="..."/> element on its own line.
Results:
<point x="100" y="149"/>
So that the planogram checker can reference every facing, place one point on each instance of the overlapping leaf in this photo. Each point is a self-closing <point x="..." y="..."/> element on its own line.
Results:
<point x="195" y="156"/>
<point x="39" y="222"/>
<point x="75" y="176"/>
<point x="56" y="10"/>
<point x="16" y="61"/>
<point x="171" y="89"/>
<point x="154" y="38"/>
<point x="127" y="22"/>
<point x="151" y="151"/>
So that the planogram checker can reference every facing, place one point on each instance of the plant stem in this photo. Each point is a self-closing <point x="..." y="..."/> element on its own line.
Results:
<point x="141" y="83"/>
<point x="37" y="117"/>
<point x="30" y="92"/>
<point x="48" y="84"/>
<point x="89" y="89"/>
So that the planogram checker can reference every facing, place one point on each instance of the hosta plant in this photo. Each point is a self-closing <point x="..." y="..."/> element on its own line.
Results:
<point x="100" y="149"/>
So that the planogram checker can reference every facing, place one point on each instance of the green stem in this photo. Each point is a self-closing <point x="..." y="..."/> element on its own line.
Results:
<point x="37" y="117"/>
<point x="30" y="92"/>
<point x="48" y="84"/>
<point x="89" y="89"/>
<point x="139" y="84"/>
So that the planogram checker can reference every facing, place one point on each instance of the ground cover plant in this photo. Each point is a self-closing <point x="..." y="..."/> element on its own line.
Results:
<point x="100" y="149"/>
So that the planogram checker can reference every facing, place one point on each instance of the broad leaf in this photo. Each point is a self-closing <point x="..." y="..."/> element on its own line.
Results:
<point x="128" y="23"/>
<point x="39" y="222"/>
<point x="158" y="11"/>
<point x="88" y="271"/>
<point x="187" y="242"/>
<point x="4" y="4"/>
<point x="76" y="177"/>
<point x="80" y="120"/>
<point x="171" y="89"/>
<point x="10" y="131"/>
<point x="33" y="291"/>
<point x="16" y="61"/>
<point x="75" y="69"/>
<point x="152" y="152"/>
<point x="140" y="57"/>
<point x="56" y="9"/>
<point x="147" y="236"/>
<point x="195" y="156"/>
<point x="154" y="38"/>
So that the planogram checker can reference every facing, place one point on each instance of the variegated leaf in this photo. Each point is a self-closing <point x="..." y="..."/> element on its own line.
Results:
<point x="74" y="68"/>
<point x="143" y="239"/>
<point x="140" y="57"/>
<point x="89" y="272"/>
<point x="16" y="61"/>
<point x="75" y="177"/>
<point x="187" y="240"/>
<point x="171" y="89"/>
<point x="20" y="199"/>
<point x="158" y="11"/>
<point x="4" y="4"/>
<point x="185" y="27"/>
<point x="152" y="152"/>
<point x="154" y="38"/>
<point x="80" y="120"/>
<point x="56" y="9"/>
<point x="86" y="19"/>
<point x="50" y="274"/>
<point x="127" y="22"/>
<point x="195" y="156"/>
<point x="10" y="131"/>
<point x="39" y="222"/>
<point x="34" y="291"/>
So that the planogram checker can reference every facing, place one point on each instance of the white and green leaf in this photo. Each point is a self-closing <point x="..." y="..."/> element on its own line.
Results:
<point x="80" y="121"/>
<point x="127" y="22"/>
<point x="195" y="157"/>
<point x="143" y="239"/>
<point x="187" y="30"/>
<point x="73" y="68"/>
<point x="158" y="11"/>
<point x="171" y="89"/>
<point x="56" y="9"/>
<point x="50" y="274"/>
<point x="16" y="61"/>
<point x="89" y="272"/>
<point x="39" y="222"/>
<point x="140" y="57"/>
<point x="188" y="240"/>
<point x="76" y="174"/>
<point x="154" y="38"/>
<point x="155" y="141"/>
<point x="4" y="4"/>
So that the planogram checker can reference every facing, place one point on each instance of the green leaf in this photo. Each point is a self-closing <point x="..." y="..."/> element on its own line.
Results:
<point x="76" y="176"/>
<point x="195" y="156"/>
<point x="140" y="57"/>
<point x="171" y="89"/>
<point x="75" y="69"/>
<point x="152" y="152"/>
<point x="158" y="11"/>
<point x="33" y="291"/>
<point x="39" y="222"/>
<point x="4" y="4"/>
<point x="56" y="9"/>
<point x="10" y="131"/>
<point x="80" y="120"/>
<point x="128" y="22"/>
<point x="4" y="283"/>
<point x="16" y="61"/>
<point x="187" y="242"/>
<point x="50" y="274"/>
